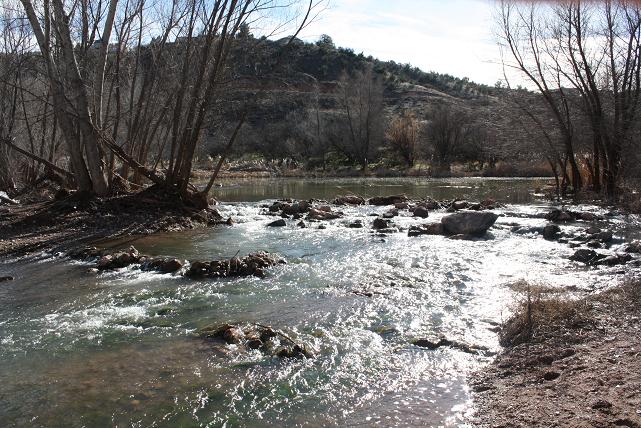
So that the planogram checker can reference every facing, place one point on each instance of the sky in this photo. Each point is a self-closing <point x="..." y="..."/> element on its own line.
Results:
<point x="447" y="36"/>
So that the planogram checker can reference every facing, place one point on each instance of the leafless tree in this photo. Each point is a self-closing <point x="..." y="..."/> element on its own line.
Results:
<point x="446" y="132"/>
<point x="403" y="136"/>
<point x="593" y="49"/>
<point x="359" y="131"/>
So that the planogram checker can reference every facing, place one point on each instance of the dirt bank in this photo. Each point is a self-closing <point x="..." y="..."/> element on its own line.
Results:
<point x="38" y="224"/>
<point x="577" y="366"/>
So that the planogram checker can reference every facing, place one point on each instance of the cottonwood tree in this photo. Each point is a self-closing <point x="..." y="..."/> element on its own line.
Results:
<point x="593" y="49"/>
<point x="446" y="131"/>
<point x="150" y="92"/>
<point x="403" y="137"/>
<point x="358" y="132"/>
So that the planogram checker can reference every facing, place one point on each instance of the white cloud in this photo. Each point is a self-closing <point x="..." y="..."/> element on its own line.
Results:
<point x="450" y="36"/>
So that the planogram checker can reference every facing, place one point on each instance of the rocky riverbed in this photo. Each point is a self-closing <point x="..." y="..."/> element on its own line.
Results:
<point x="367" y="323"/>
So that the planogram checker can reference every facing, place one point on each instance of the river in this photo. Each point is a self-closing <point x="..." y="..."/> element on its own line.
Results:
<point x="117" y="349"/>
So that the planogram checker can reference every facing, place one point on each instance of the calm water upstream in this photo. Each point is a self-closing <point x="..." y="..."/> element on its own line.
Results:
<point x="117" y="349"/>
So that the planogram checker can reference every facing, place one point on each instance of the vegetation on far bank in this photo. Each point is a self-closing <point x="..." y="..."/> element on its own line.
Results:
<point x="96" y="98"/>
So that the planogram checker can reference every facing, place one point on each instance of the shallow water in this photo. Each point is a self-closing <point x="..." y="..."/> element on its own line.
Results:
<point x="78" y="349"/>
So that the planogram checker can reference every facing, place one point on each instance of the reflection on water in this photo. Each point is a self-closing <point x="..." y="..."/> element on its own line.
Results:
<point x="517" y="191"/>
<point x="117" y="349"/>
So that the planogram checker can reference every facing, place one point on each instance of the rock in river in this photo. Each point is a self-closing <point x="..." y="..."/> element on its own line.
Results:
<point x="421" y="212"/>
<point x="468" y="222"/>
<point x="426" y="229"/>
<point x="277" y="223"/>
<point x="388" y="200"/>
<point x="586" y="256"/>
<point x="257" y="337"/>
<point x="551" y="231"/>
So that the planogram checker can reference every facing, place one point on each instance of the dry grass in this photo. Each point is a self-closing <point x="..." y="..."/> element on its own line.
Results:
<point x="541" y="313"/>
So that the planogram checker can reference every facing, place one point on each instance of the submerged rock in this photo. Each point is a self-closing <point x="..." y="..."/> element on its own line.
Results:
<point x="349" y="200"/>
<point x="432" y="345"/>
<point x="388" y="200"/>
<point x="6" y="278"/>
<point x="468" y="222"/>
<point x="323" y="214"/>
<point x="426" y="229"/>
<point x="251" y="265"/>
<point x="559" y="216"/>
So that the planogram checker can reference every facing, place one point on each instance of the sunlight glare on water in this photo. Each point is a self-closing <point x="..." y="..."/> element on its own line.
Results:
<point x="117" y="348"/>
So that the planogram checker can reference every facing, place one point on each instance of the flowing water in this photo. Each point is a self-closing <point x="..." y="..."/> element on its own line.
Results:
<point x="117" y="349"/>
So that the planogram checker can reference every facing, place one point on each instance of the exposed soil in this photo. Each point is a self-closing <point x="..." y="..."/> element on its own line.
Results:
<point x="45" y="223"/>
<point x="579" y="371"/>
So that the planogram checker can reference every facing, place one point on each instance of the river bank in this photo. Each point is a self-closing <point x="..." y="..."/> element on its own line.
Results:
<point x="578" y="367"/>
<point x="62" y="222"/>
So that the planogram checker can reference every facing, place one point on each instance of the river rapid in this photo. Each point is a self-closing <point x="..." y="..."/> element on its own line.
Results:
<point x="117" y="348"/>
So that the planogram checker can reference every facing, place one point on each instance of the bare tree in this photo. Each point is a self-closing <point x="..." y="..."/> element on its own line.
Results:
<point x="359" y="130"/>
<point x="144" y="101"/>
<point x="446" y="133"/>
<point x="592" y="49"/>
<point x="403" y="136"/>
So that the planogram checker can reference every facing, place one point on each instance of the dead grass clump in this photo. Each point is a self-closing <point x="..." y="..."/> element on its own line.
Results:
<point x="542" y="313"/>
<point x="625" y="296"/>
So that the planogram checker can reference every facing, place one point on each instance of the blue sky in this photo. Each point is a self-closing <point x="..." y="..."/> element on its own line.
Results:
<point x="447" y="36"/>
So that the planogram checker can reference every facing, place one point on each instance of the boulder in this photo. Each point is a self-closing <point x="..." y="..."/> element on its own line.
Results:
<point x="301" y="224"/>
<point x="551" y="232"/>
<point x="460" y="205"/>
<point x="277" y="223"/>
<point x="586" y="256"/>
<point x="171" y="266"/>
<point x="380" y="223"/>
<point x="388" y="200"/>
<point x="401" y="206"/>
<point x="356" y="224"/>
<point x="468" y="222"/>
<point x="421" y="212"/>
